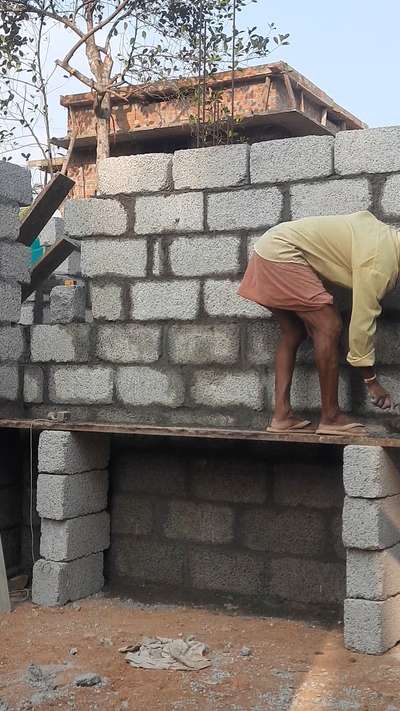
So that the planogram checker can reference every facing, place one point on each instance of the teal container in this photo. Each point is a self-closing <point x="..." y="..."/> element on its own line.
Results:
<point x="37" y="251"/>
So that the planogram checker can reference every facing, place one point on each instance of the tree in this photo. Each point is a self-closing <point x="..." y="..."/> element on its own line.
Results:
<point x="149" y="40"/>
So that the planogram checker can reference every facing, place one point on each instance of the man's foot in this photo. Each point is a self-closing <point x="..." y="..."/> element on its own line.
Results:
<point x="287" y="423"/>
<point x="337" y="420"/>
<point x="341" y="424"/>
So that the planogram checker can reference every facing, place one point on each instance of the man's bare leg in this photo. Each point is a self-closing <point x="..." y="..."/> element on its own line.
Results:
<point x="292" y="334"/>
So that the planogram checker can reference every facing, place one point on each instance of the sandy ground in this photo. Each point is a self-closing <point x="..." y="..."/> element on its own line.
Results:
<point x="292" y="666"/>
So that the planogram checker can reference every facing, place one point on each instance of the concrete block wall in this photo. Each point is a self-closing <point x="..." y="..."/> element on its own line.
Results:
<point x="163" y="249"/>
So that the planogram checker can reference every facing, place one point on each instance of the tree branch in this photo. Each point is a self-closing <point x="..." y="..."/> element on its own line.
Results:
<point x="5" y="5"/>
<point x="76" y="73"/>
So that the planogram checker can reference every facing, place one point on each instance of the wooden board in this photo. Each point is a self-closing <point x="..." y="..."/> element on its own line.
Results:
<point x="48" y="264"/>
<point x="372" y="439"/>
<point x="44" y="207"/>
<point x="4" y="594"/>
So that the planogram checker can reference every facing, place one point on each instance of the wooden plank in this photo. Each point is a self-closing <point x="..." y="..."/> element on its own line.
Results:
<point x="324" y="116"/>
<point x="290" y="92"/>
<point x="48" y="264"/>
<point x="372" y="439"/>
<point x="44" y="207"/>
<point x="4" y="594"/>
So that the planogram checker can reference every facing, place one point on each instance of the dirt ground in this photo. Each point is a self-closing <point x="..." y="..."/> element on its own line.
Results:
<point x="293" y="665"/>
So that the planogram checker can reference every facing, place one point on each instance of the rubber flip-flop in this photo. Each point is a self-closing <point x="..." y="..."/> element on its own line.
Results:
<point x="353" y="429"/>
<point x="283" y="430"/>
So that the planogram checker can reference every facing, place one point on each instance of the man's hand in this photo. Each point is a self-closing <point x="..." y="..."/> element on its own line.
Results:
<point x="379" y="396"/>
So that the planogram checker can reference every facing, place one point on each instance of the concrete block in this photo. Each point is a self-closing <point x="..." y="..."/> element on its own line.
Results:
<point x="217" y="388"/>
<point x="15" y="183"/>
<point x="165" y="300"/>
<point x="147" y="386"/>
<point x="150" y="561"/>
<point x="114" y="257"/>
<point x="81" y="385"/>
<point x="373" y="575"/>
<point x="371" y="627"/>
<point x="27" y="314"/>
<point x="9" y="222"/>
<point x="9" y="382"/>
<point x="371" y="472"/>
<point x="232" y="479"/>
<point x="150" y="172"/>
<point x="371" y="524"/>
<point x="131" y="515"/>
<point x="72" y="452"/>
<point x="192" y="343"/>
<point x="291" y="159"/>
<point x="129" y="343"/>
<point x="107" y="302"/>
<point x="67" y="304"/>
<point x="292" y="532"/>
<point x="305" y="393"/>
<point x="157" y="473"/>
<point x="75" y="537"/>
<point x="15" y="262"/>
<point x="373" y="150"/>
<point x="169" y="213"/>
<point x="221" y="299"/>
<point x="248" y="209"/>
<point x="387" y="342"/>
<point x="33" y="384"/>
<point x="230" y="571"/>
<point x="308" y="581"/>
<point x="70" y="266"/>
<point x="10" y="300"/>
<point x="330" y="197"/>
<point x="91" y="217"/>
<point x="262" y="341"/>
<point x="62" y="497"/>
<point x="60" y="343"/>
<point x="199" y="522"/>
<point x="317" y="485"/>
<point x="214" y="167"/>
<point x="158" y="258"/>
<point x="195" y="256"/>
<point x="53" y="231"/>
<point x="58" y="583"/>
<point x="12" y="343"/>
<point x="390" y="196"/>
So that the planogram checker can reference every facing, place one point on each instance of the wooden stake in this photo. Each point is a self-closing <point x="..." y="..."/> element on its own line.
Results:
<point x="5" y="605"/>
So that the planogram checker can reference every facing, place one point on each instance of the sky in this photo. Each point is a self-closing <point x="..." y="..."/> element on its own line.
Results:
<point x="348" y="48"/>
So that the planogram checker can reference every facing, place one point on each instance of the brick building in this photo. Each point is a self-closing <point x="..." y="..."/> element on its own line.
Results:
<point x="271" y="101"/>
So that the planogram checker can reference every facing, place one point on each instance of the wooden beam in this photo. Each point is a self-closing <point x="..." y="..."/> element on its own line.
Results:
<point x="267" y="91"/>
<point x="290" y="92"/>
<point x="44" y="207"/>
<point x="48" y="264"/>
<point x="324" y="117"/>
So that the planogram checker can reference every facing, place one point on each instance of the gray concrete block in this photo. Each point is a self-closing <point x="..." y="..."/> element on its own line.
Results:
<point x="291" y="159"/>
<point x="387" y="342"/>
<point x="373" y="575"/>
<point x="221" y="299"/>
<point x="371" y="524"/>
<point x="371" y="627"/>
<point x="165" y="300"/>
<point x="390" y="196"/>
<point x="131" y="515"/>
<point x="232" y="479"/>
<point x="15" y="262"/>
<point x="12" y="343"/>
<point x="9" y="222"/>
<point x="74" y="538"/>
<point x="199" y="522"/>
<point x="72" y="452"/>
<point x="308" y="581"/>
<point x="60" y="343"/>
<point x="10" y="300"/>
<point x="33" y="384"/>
<point x="138" y="385"/>
<point x="218" y="388"/>
<point x="157" y="267"/>
<point x="70" y="266"/>
<point x="195" y="256"/>
<point x="27" y="314"/>
<point x="114" y="257"/>
<point x="107" y="302"/>
<point x="92" y="217"/>
<point x="292" y="532"/>
<point x="330" y="197"/>
<point x="149" y="472"/>
<point x="15" y="183"/>
<point x="150" y="561"/>
<point x="53" y="231"/>
<point x="62" y="497"/>
<point x="150" y="172"/>
<point x="81" y="385"/>
<point x="169" y="213"/>
<point x="58" y="583"/>
<point x="305" y="392"/>
<point x="233" y="571"/>
<point x="309" y="484"/>
<point x="373" y="150"/>
<point x="371" y="472"/>
<point x="214" y="167"/>
<point x="67" y="304"/>
<point x="192" y="343"/>
<point x="9" y="382"/>
<point x="129" y="343"/>
<point x="248" y="209"/>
